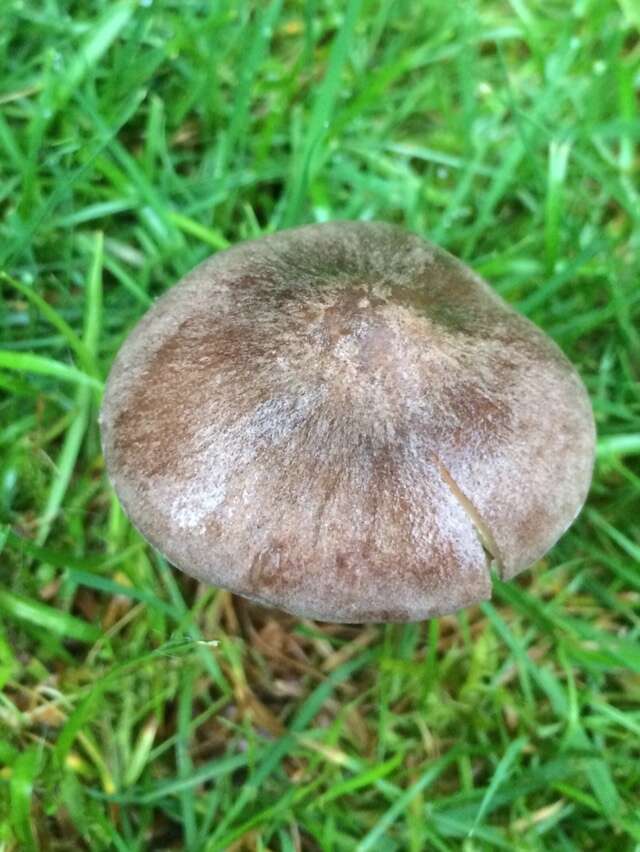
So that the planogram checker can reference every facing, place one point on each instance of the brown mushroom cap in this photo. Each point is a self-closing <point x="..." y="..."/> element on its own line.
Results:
<point x="345" y="422"/>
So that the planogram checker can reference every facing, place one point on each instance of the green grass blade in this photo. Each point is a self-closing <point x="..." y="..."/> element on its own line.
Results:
<point x="41" y="365"/>
<point x="433" y="771"/>
<point x="47" y="618"/>
<point x="23" y="780"/>
<point x="51" y="315"/>
<point x="320" y="121"/>
<point x="500" y="776"/>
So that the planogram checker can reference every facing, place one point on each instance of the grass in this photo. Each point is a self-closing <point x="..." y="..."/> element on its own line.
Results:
<point x="141" y="711"/>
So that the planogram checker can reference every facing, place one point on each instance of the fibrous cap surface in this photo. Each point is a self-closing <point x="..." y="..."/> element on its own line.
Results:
<point x="345" y="422"/>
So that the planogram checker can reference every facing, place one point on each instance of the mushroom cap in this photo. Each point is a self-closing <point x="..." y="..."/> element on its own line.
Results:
<point x="345" y="422"/>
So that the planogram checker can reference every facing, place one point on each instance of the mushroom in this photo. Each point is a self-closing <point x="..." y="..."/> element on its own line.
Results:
<point x="345" y="422"/>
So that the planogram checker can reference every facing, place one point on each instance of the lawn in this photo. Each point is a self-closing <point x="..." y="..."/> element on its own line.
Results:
<point x="142" y="711"/>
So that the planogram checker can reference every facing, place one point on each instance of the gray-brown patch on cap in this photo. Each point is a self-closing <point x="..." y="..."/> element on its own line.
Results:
<point x="339" y="420"/>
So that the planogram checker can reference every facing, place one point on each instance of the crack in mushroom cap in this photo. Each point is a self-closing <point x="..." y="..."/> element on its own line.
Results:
<point x="338" y="420"/>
